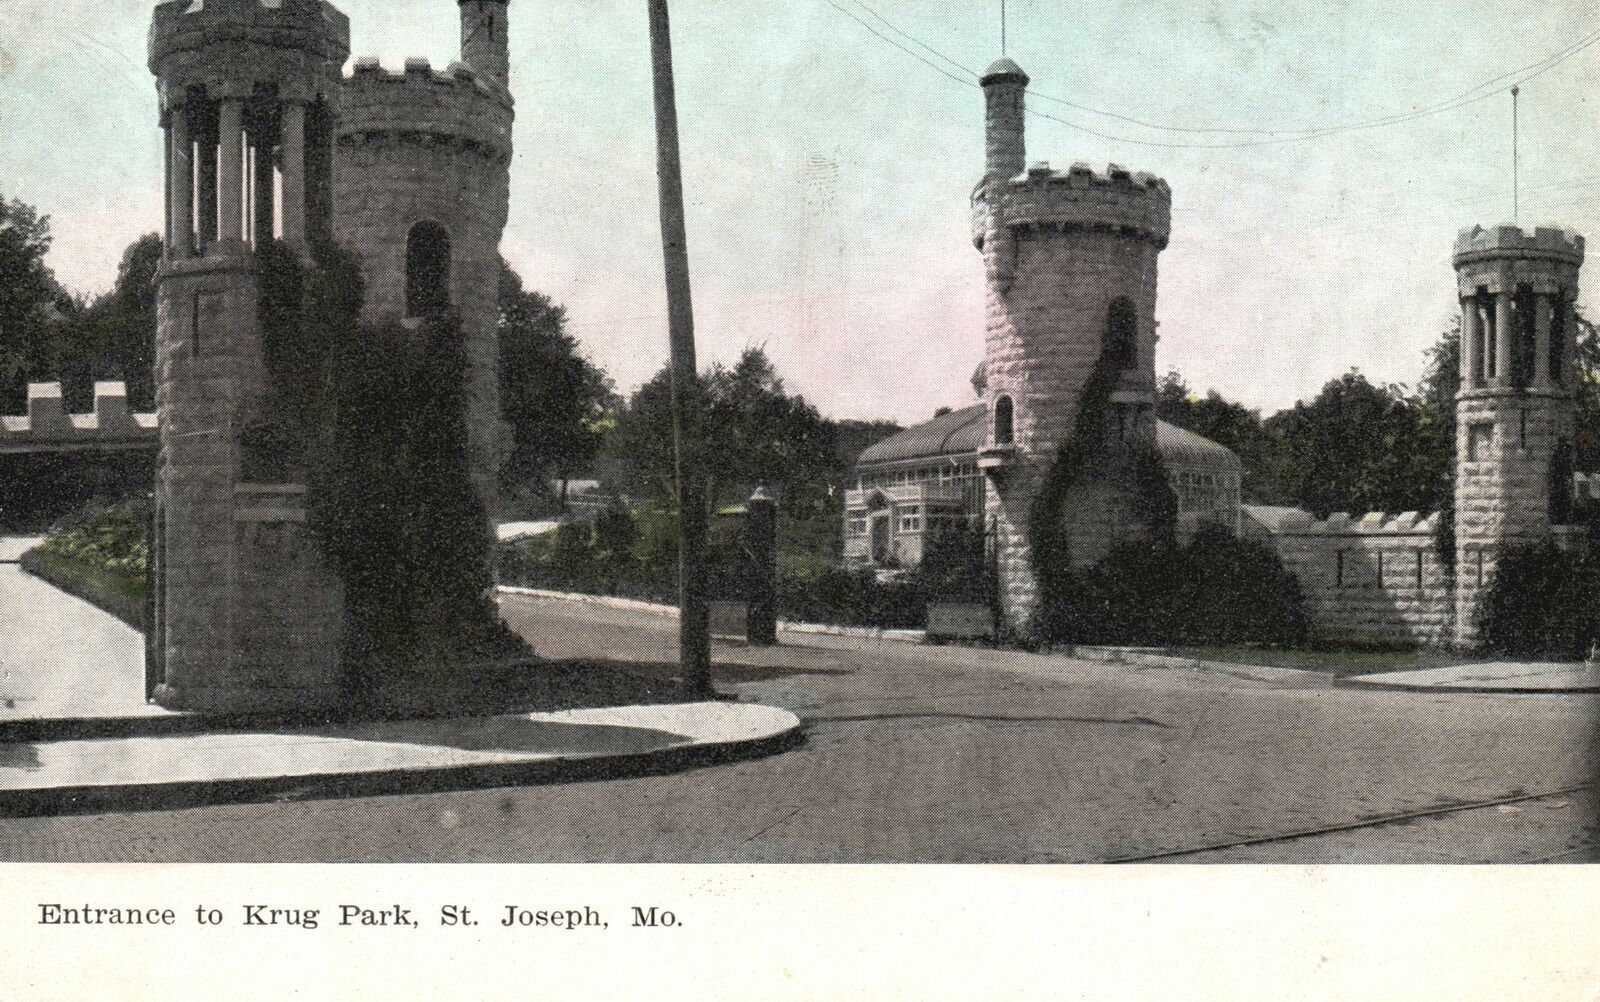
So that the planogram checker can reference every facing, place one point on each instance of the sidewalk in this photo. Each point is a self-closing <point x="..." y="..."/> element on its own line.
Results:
<point x="1493" y="677"/>
<point x="60" y="656"/>
<point x="374" y="758"/>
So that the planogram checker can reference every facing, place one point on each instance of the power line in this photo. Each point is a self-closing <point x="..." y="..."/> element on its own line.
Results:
<point x="1269" y="136"/>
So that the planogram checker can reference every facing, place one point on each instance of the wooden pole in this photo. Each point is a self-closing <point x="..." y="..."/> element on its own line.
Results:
<point x="694" y="628"/>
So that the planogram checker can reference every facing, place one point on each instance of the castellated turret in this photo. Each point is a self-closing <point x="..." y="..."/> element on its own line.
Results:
<point x="1070" y="261"/>
<point x="483" y="37"/>
<point x="246" y="615"/>
<point x="422" y="193"/>
<point x="1514" y="411"/>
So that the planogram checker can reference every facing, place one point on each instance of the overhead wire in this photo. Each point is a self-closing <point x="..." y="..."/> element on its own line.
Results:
<point x="1276" y="136"/>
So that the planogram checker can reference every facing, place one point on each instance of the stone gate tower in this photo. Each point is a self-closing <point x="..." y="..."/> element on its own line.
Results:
<point x="1514" y="411"/>
<point x="423" y="190"/>
<point x="1070" y="261"/>
<point x="247" y="616"/>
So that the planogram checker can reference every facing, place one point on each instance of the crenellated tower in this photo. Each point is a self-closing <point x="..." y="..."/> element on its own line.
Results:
<point x="423" y="192"/>
<point x="1070" y="262"/>
<point x="247" y="616"/>
<point x="1514" y="410"/>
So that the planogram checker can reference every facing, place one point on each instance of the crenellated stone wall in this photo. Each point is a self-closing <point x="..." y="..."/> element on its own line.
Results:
<point x="1378" y="574"/>
<point x="47" y="427"/>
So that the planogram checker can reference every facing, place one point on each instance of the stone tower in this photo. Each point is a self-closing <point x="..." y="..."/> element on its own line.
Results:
<point x="423" y="192"/>
<point x="1070" y="261"/>
<point x="1514" y="411"/>
<point x="247" y="616"/>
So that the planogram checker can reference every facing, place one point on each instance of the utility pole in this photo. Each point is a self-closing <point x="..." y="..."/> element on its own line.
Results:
<point x="1516" y="180"/>
<point x="694" y="627"/>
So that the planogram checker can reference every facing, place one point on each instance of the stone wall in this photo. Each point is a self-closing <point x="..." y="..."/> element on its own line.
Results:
<point x="1378" y="574"/>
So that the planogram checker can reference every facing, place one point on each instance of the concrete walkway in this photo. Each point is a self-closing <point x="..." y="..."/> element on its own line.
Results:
<point x="60" y="656"/>
<point x="1496" y="676"/>
<point x="406" y="756"/>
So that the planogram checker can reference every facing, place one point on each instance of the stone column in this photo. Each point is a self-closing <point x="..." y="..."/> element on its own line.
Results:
<point x="1471" y="343"/>
<point x="1503" y="333"/>
<point x="207" y="130"/>
<point x="264" y="183"/>
<point x="1542" y="305"/>
<point x="293" y="139"/>
<point x="180" y="184"/>
<point x="230" y="167"/>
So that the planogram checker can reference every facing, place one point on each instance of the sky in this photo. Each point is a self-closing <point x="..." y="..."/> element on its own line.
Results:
<point x="827" y="171"/>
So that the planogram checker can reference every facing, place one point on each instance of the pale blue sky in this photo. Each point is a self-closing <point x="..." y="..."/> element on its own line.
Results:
<point x="828" y="172"/>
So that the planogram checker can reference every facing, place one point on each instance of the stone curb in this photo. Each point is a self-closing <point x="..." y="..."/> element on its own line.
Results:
<point x="657" y="608"/>
<point x="1484" y="690"/>
<point x="417" y="780"/>
<point x="1259" y="673"/>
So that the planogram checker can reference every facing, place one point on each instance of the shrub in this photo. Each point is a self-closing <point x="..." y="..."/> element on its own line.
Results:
<point x="1541" y="602"/>
<point x="1215" y="589"/>
<point x="109" y="540"/>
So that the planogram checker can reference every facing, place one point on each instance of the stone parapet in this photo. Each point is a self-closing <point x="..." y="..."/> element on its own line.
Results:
<point x="1380" y="573"/>
<point x="1119" y="201"/>
<point x="48" y="427"/>
<point x="226" y="47"/>
<point x="459" y="106"/>
<point x="1499" y="259"/>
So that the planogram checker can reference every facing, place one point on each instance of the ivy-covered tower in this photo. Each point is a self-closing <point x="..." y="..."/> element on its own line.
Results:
<point x="423" y="191"/>
<point x="1514" y="411"/>
<point x="247" y="615"/>
<point x="1070" y="262"/>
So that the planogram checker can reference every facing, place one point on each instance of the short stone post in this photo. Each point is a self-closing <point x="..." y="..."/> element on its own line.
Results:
<point x="761" y="549"/>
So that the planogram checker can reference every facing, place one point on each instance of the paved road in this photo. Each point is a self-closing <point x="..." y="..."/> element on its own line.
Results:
<point x="947" y="754"/>
<point x="59" y="655"/>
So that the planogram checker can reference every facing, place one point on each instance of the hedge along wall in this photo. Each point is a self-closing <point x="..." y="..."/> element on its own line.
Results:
<point x="1378" y="574"/>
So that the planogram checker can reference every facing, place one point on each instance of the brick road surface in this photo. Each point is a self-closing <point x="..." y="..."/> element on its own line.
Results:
<point x="951" y="754"/>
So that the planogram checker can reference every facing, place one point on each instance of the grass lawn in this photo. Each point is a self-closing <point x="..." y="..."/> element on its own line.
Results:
<point x="1343" y="661"/>
<point x="120" y="594"/>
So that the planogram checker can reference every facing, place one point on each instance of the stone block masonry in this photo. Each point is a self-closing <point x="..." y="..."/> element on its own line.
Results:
<point x="423" y="147"/>
<point x="1379" y="574"/>
<point x="1070" y="262"/>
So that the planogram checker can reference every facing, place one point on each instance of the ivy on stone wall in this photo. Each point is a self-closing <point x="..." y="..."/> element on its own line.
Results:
<point x="1085" y="454"/>
<point x="374" y="416"/>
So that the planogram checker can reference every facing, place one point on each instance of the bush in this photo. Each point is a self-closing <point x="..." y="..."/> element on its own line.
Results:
<point x="810" y="589"/>
<point x="1541" y="602"/>
<point x="1217" y="589"/>
<point x="110" y="540"/>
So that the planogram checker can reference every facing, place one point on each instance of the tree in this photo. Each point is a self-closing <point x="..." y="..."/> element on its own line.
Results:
<point x="34" y="309"/>
<point x="555" y="400"/>
<point x="118" y="330"/>
<point x="1358" y="447"/>
<point x="1229" y="424"/>
<point x="756" y="434"/>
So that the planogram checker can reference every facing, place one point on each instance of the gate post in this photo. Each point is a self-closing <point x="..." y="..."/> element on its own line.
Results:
<point x="761" y="546"/>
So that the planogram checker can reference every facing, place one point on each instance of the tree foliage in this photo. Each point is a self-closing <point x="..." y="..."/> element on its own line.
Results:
<point x="554" y="399"/>
<point x="35" y="311"/>
<point x="756" y="433"/>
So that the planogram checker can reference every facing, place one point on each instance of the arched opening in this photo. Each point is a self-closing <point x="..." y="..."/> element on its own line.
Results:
<point x="1003" y="421"/>
<point x="427" y="270"/>
<point x="1122" y="334"/>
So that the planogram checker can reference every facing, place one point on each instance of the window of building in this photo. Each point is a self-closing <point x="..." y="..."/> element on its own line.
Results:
<point x="1003" y="421"/>
<point x="1122" y="333"/>
<point x="1480" y="436"/>
<point x="427" y="270"/>
<point x="856" y="526"/>
<point x="911" y="519"/>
